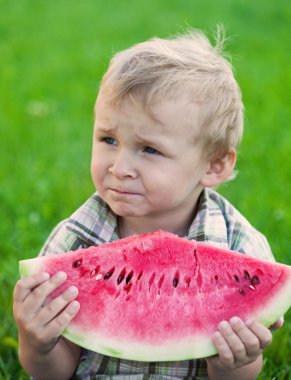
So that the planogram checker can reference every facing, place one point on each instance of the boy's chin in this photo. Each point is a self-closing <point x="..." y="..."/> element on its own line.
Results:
<point x="124" y="211"/>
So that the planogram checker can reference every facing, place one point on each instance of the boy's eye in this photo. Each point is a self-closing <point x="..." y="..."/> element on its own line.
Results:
<point x="150" y="150"/>
<point x="109" y="140"/>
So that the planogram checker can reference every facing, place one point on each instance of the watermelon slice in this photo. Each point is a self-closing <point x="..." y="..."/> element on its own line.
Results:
<point x="158" y="297"/>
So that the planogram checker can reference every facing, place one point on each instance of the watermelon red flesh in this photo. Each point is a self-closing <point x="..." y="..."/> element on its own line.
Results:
<point x="159" y="297"/>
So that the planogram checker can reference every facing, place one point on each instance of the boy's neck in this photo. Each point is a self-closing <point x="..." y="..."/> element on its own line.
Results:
<point x="179" y="224"/>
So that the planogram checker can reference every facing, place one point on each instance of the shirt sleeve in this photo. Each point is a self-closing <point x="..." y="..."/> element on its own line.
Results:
<point x="240" y="234"/>
<point x="61" y="240"/>
<point x="246" y="239"/>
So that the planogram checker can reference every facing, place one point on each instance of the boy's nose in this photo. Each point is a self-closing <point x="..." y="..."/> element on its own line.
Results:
<point x="123" y="166"/>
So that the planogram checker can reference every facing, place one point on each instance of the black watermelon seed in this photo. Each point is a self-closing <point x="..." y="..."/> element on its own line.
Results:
<point x="121" y="276"/>
<point x="109" y="274"/>
<point x="77" y="263"/>
<point x="255" y="280"/>
<point x="236" y="278"/>
<point x="129" y="277"/>
<point x="175" y="282"/>
<point x="246" y="275"/>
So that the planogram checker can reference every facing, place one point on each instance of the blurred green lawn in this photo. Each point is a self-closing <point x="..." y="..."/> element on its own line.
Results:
<point x="53" y="54"/>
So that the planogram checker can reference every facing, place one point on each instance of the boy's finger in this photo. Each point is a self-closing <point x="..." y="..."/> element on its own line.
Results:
<point x="38" y="295"/>
<point x="226" y="357"/>
<point x="58" y="324"/>
<point x="249" y="339"/>
<point x="53" y="308"/>
<point x="263" y="334"/>
<point x="234" y="342"/>
<point x="25" y="285"/>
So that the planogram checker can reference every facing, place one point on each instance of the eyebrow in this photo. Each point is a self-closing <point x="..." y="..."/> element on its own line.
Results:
<point x="100" y="128"/>
<point x="152" y="142"/>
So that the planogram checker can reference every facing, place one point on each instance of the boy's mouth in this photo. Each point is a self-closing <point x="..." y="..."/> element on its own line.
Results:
<point x="122" y="192"/>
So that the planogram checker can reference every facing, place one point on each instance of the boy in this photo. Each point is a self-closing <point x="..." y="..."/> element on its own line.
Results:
<point x="168" y="122"/>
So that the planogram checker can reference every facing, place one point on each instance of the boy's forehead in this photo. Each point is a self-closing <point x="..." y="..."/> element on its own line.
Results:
<point x="180" y="111"/>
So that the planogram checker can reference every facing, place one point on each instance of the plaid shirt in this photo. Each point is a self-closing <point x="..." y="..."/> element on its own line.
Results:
<point x="216" y="221"/>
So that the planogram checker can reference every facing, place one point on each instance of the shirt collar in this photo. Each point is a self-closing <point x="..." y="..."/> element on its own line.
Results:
<point x="95" y="223"/>
<point x="209" y="224"/>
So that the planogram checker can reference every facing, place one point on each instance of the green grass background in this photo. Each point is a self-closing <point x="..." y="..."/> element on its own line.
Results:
<point x="52" y="56"/>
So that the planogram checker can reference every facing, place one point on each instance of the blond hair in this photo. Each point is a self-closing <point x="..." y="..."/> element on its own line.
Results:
<point x="163" y="69"/>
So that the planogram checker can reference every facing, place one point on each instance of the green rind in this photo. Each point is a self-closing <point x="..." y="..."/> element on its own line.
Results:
<point x="24" y="270"/>
<point x="185" y="349"/>
<point x="277" y="306"/>
<point x="79" y="339"/>
<point x="29" y="267"/>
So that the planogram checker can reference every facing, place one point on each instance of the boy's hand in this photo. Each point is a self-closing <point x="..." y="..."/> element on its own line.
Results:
<point x="39" y="323"/>
<point x="238" y="343"/>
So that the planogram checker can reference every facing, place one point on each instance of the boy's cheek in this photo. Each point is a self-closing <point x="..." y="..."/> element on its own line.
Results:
<point x="95" y="172"/>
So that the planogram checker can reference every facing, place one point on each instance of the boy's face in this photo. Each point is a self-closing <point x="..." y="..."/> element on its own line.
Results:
<point x="144" y="166"/>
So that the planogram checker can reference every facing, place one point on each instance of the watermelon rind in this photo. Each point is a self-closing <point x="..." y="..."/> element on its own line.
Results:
<point x="185" y="349"/>
<point x="276" y="306"/>
<point x="29" y="267"/>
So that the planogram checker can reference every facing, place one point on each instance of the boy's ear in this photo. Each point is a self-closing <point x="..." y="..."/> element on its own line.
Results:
<point x="219" y="170"/>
